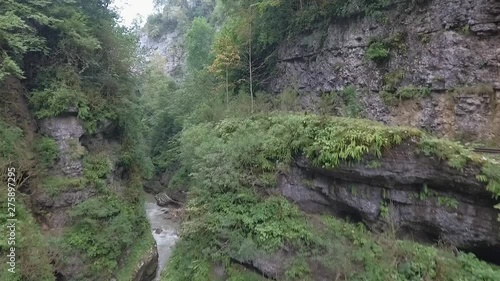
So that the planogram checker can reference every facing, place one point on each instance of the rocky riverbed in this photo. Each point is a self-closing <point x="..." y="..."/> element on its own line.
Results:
<point x="164" y="227"/>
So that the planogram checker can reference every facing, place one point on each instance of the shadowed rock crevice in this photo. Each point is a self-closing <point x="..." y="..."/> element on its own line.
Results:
<point x="486" y="253"/>
<point x="422" y="233"/>
<point x="251" y="267"/>
<point x="59" y="276"/>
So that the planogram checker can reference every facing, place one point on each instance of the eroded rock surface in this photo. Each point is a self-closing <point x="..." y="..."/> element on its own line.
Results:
<point x="66" y="131"/>
<point x="442" y="45"/>
<point x="169" y="47"/>
<point x="422" y="197"/>
<point x="146" y="270"/>
<point x="163" y="200"/>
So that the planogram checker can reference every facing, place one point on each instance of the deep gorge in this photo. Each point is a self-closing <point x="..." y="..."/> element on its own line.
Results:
<point x="252" y="140"/>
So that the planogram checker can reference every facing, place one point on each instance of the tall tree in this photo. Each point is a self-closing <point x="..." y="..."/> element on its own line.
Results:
<point x="227" y="56"/>
<point x="18" y="34"/>
<point x="198" y="44"/>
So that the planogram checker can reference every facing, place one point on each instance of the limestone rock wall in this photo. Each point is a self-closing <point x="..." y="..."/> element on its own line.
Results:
<point x="443" y="45"/>
<point x="66" y="131"/>
<point x="53" y="210"/>
<point x="170" y="48"/>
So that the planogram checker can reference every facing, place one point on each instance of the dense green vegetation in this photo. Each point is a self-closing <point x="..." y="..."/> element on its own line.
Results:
<point x="245" y="50"/>
<point x="233" y="162"/>
<point x="33" y="260"/>
<point x="71" y="56"/>
<point x="215" y="131"/>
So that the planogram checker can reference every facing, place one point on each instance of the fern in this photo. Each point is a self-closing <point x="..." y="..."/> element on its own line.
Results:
<point x="482" y="178"/>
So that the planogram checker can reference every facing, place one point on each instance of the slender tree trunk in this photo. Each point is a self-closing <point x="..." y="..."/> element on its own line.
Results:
<point x="227" y="89"/>
<point x="250" y="62"/>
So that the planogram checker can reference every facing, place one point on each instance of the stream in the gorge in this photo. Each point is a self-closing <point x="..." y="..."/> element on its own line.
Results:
<point x="164" y="231"/>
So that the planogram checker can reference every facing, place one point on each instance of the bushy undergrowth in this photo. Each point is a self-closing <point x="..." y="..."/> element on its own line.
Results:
<point x="377" y="52"/>
<point x="477" y="90"/>
<point x="32" y="261"/>
<point x="96" y="223"/>
<point x="99" y="221"/>
<point x="405" y="93"/>
<point x="72" y="57"/>
<point x="12" y="148"/>
<point x="135" y="255"/>
<point x="345" y="103"/>
<point x="233" y="162"/>
<point x="47" y="151"/>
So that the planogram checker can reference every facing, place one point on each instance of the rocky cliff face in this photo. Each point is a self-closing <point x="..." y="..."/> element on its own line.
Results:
<point x="66" y="131"/>
<point x="170" y="48"/>
<point x="53" y="208"/>
<point x="420" y="197"/>
<point x="439" y="45"/>
<point x="146" y="270"/>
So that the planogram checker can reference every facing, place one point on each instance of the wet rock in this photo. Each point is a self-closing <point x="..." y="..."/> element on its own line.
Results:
<point x="153" y="186"/>
<point x="272" y="266"/>
<point x="163" y="200"/>
<point x="146" y="270"/>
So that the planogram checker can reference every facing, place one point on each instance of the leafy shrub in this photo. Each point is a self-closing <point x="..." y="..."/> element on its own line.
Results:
<point x="345" y="103"/>
<point x="405" y="93"/>
<point x="57" y="98"/>
<point x="392" y="92"/>
<point x="377" y="52"/>
<point x="328" y="103"/>
<point x="32" y="261"/>
<point x="232" y="161"/>
<point x="97" y="222"/>
<point x="54" y="185"/>
<point x="354" y="107"/>
<point x="143" y="244"/>
<point x="96" y="169"/>
<point x="47" y="151"/>
<point x="77" y="151"/>
<point x="412" y="92"/>
<point x="11" y="144"/>
<point x="392" y="80"/>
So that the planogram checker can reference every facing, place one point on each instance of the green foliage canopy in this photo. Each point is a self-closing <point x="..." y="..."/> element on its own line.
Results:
<point x="198" y="44"/>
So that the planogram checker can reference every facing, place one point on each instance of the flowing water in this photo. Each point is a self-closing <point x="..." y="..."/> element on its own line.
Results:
<point x="164" y="231"/>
